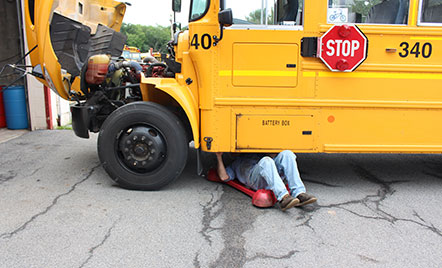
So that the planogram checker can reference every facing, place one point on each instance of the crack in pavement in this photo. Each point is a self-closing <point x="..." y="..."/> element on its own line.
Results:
<point x="35" y="171"/>
<point x="237" y="212"/>
<point x="290" y="254"/>
<point x="365" y="258"/>
<point x="196" y="262"/>
<point x="7" y="177"/>
<point x="384" y="191"/>
<point x="307" y="216"/>
<point x="209" y="216"/>
<point x="47" y="209"/>
<point x="106" y="236"/>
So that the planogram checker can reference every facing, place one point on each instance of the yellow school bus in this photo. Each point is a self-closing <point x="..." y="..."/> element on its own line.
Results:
<point x="246" y="77"/>
<point x="131" y="53"/>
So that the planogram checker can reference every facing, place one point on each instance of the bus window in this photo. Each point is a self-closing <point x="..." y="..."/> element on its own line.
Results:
<point x="431" y="11"/>
<point x="126" y="54"/>
<point x="136" y="56"/>
<point x="266" y="12"/>
<point x="198" y="9"/>
<point x="368" y="11"/>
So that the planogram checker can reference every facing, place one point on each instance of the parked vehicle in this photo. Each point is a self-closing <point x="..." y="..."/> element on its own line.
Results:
<point x="131" y="54"/>
<point x="286" y="80"/>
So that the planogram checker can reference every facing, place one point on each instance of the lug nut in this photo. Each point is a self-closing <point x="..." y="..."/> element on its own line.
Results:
<point x="150" y="143"/>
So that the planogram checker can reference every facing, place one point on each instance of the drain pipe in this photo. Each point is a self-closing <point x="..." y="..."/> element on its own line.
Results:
<point x="48" y="108"/>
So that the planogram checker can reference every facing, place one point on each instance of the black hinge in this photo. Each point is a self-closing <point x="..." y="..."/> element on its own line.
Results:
<point x="309" y="46"/>
<point x="208" y="141"/>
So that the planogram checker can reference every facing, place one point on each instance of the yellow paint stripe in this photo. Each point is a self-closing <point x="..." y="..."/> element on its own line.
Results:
<point x="385" y="75"/>
<point x="225" y="73"/>
<point x="425" y="38"/>
<point x="309" y="74"/>
<point x="257" y="73"/>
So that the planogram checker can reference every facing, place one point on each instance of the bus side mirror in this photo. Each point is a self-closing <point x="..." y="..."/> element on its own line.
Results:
<point x="225" y="17"/>
<point x="176" y="6"/>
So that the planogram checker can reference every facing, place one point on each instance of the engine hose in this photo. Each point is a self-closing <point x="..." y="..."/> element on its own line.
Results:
<point x="123" y="64"/>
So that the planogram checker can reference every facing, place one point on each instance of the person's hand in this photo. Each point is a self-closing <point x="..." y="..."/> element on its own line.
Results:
<point x="219" y="154"/>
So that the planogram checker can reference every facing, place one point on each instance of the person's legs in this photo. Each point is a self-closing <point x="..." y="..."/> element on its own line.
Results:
<point x="285" y="162"/>
<point x="265" y="176"/>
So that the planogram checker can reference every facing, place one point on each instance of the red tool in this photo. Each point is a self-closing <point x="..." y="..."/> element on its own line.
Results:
<point x="262" y="198"/>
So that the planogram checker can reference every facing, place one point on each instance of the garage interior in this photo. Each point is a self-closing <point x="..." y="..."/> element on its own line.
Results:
<point x="45" y="109"/>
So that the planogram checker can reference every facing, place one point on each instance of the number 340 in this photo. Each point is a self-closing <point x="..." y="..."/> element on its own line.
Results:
<point x="416" y="50"/>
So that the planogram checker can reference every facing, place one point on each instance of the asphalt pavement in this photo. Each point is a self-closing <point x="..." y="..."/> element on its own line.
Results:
<point x="60" y="209"/>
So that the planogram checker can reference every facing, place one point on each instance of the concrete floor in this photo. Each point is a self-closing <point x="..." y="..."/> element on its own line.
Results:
<point x="60" y="209"/>
<point x="9" y="134"/>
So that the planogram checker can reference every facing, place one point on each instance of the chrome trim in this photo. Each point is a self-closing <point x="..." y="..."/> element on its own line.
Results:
<point x="265" y="27"/>
<point x="429" y="24"/>
<point x="419" y="18"/>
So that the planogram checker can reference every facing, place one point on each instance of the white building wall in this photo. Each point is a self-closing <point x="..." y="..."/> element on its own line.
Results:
<point x="61" y="113"/>
<point x="36" y="103"/>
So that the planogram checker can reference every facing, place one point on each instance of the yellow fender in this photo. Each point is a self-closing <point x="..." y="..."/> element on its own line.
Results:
<point x="181" y="94"/>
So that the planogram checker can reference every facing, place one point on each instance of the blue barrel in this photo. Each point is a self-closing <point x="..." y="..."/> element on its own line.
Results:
<point x="14" y="99"/>
<point x="2" y="109"/>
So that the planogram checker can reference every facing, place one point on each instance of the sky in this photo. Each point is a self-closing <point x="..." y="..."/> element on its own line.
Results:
<point x="159" y="12"/>
<point x="154" y="12"/>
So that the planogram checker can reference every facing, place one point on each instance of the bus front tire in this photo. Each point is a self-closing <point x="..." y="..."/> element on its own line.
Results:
<point x="142" y="146"/>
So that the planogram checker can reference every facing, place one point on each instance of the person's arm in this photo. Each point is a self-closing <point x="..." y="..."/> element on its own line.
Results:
<point x="222" y="173"/>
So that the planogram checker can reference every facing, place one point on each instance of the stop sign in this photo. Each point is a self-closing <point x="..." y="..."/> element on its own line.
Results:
<point x="343" y="48"/>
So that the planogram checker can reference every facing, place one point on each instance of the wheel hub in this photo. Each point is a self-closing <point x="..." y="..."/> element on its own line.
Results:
<point x="142" y="148"/>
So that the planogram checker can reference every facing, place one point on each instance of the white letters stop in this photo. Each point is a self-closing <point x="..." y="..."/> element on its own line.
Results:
<point x="344" y="47"/>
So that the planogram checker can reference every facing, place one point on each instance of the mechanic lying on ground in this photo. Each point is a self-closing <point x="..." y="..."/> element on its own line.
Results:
<point x="258" y="171"/>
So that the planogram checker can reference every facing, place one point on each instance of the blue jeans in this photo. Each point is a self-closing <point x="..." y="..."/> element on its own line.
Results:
<point x="266" y="175"/>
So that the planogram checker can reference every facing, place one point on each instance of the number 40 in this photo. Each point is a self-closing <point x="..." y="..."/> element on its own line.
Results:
<point x="206" y="41"/>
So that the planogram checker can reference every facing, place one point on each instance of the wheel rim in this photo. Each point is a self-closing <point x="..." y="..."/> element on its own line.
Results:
<point x="141" y="149"/>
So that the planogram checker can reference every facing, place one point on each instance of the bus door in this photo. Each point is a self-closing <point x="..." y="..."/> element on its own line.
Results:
<point x="259" y="66"/>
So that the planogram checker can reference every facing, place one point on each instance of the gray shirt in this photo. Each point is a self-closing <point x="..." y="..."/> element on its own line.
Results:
<point x="242" y="167"/>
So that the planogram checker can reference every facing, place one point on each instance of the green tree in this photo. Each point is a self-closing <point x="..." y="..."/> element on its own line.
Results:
<point x="146" y="37"/>
<point x="363" y="6"/>
<point x="255" y="17"/>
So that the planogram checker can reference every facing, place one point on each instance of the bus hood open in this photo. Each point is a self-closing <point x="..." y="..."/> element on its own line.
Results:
<point x="66" y="32"/>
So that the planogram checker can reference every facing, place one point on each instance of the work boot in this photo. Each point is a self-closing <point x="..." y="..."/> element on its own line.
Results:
<point x="305" y="199"/>
<point x="287" y="202"/>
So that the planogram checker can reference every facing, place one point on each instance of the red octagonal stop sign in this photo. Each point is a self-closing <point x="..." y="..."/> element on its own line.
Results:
<point x="343" y="48"/>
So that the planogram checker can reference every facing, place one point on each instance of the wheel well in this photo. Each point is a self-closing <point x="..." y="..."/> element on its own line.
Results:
<point x="158" y="96"/>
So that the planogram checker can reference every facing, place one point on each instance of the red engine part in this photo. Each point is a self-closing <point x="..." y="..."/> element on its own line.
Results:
<point x="97" y="69"/>
<point x="158" y="71"/>
<point x="261" y="198"/>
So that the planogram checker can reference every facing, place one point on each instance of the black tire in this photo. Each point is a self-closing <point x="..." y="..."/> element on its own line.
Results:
<point x="143" y="146"/>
